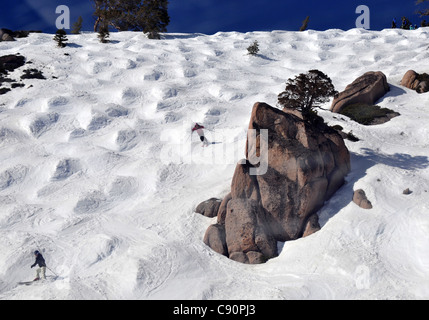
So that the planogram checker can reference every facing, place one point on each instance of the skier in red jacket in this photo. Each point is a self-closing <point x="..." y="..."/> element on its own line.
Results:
<point x="199" y="129"/>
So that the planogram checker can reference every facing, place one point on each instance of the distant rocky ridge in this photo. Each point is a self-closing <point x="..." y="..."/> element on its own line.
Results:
<point x="6" y="35"/>
<point x="9" y="35"/>
<point x="306" y="166"/>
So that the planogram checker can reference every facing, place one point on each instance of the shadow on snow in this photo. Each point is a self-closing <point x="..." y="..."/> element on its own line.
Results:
<point x="360" y="163"/>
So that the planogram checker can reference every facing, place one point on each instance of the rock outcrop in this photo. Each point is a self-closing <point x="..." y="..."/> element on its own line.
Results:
<point x="407" y="191"/>
<point x="414" y="81"/>
<point x="209" y="208"/>
<point x="11" y="62"/>
<point x="366" y="89"/>
<point x="9" y="35"/>
<point x="6" y="35"/>
<point x="359" y="197"/>
<point x="305" y="167"/>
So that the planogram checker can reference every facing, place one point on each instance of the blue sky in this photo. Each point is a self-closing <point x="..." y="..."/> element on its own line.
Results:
<point x="211" y="16"/>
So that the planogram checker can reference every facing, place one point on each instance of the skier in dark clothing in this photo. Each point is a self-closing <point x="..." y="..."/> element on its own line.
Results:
<point x="41" y="270"/>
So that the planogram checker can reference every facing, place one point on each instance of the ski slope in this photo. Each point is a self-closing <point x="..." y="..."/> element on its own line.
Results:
<point x="99" y="172"/>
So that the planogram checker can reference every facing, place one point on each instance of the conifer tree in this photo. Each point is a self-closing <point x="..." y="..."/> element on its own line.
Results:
<point x="103" y="33"/>
<point x="149" y="16"/>
<point x="61" y="38"/>
<point x="77" y="26"/>
<point x="254" y="48"/>
<point x="117" y="13"/>
<point x="304" y="25"/>
<point x="154" y="15"/>
<point x="424" y="12"/>
<point x="305" y="91"/>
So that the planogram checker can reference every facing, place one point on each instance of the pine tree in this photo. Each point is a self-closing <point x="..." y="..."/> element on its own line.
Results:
<point x="77" y="26"/>
<point x="120" y="14"/>
<point x="149" y="16"/>
<point x="424" y="12"/>
<point x="61" y="38"/>
<point x="254" y="48"/>
<point x="154" y="15"/>
<point x="304" y="25"/>
<point x="103" y="33"/>
<point x="305" y="91"/>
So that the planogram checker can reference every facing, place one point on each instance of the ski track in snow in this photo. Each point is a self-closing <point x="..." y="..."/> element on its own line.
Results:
<point x="99" y="172"/>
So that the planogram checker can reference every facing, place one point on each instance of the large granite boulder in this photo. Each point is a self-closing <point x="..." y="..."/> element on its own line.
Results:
<point x="306" y="165"/>
<point x="248" y="234"/>
<point x="366" y="89"/>
<point x="415" y="81"/>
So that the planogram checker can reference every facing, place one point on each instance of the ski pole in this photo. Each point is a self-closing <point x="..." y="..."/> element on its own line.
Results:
<point x="51" y="271"/>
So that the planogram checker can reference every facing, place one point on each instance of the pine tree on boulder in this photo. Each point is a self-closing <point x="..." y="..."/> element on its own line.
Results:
<point x="306" y="91"/>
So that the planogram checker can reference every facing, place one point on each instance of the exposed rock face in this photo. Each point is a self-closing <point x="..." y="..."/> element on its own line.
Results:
<point x="366" y="89"/>
<point x="9" y="35"/>
<point x="409" y="80"/>
<point x="248" y="234"/>
<point x="305" y="167"/>
<point x="11" y="62"/>
<point x="215" y="238"/>
<point x="407" y="191"/>
<point x="209" y="208"/>
<point x="412" y="80"/>
<point x="359" y="197"/>
<point x="6" y="35"/>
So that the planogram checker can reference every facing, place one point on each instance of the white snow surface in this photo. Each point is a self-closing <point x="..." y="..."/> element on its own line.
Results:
<point x="99" y="171"/>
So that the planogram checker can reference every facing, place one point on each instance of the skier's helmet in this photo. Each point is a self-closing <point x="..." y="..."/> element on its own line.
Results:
<point x="36" y="253"/>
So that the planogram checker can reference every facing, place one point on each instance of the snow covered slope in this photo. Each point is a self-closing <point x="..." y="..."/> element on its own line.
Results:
<point x="99" y="172"/>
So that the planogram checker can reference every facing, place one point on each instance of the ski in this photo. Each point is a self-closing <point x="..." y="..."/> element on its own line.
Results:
<point x="27" y="283"/>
